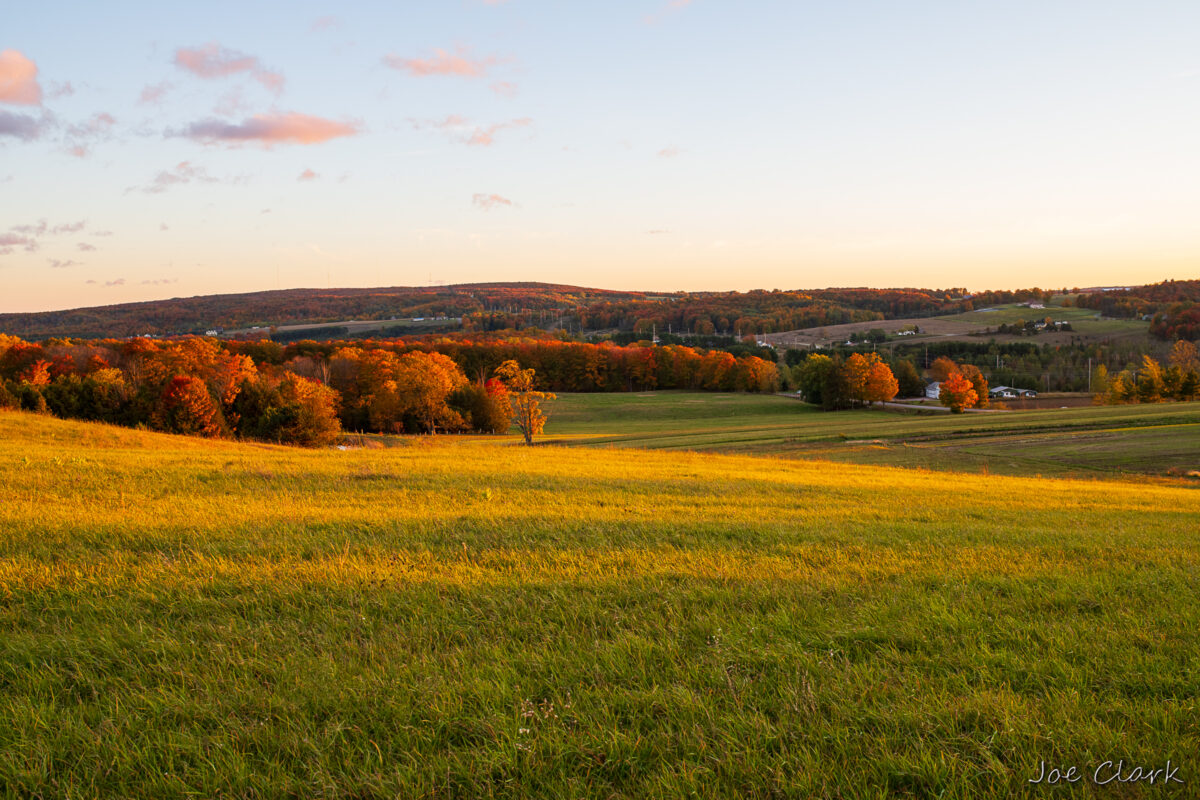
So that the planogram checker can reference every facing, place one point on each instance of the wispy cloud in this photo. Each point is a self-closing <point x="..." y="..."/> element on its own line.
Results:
<point x="460" y="129"/>
<point x="59" y="264"/>
<point x="81" y="137"/>
<point x="325" y="24"/>
<point x="504" y="88"/>
<point x="9" y="242"/>
<point x="117" y="282"/>
<point x="270" y="129"/>
<point x="486" y="202"/>
<point x="211" y="61"/>
<point x="182" y="173"/>
<point x="18" y="80"/>
<point x="460" y="64"/>
<point x="63" y="89"/>
<point x="308" y="175"/>
<point x="153" y="94"/>
<point x="668" y="152"/>
<point x="155" y="281"/>
<point x="86" y="247"/>
<point x="485" y="136"/>
<point x="28" y="236"/>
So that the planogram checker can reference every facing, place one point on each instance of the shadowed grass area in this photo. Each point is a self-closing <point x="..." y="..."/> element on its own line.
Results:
<point x="476" y="619"/>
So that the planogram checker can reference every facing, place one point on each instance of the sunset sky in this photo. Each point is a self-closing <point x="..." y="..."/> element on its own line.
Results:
<point x="152" y="149"/>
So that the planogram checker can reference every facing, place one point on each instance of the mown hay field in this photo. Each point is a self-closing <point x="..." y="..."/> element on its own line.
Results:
<point x="470" y="618"/>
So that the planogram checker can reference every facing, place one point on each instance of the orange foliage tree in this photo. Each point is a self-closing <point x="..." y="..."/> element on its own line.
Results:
<point x="881" y="384"/>
<point x="957" y="393"/>
<point x="188" y="407"/>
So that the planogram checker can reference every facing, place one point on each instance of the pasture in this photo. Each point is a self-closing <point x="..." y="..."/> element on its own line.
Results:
<point x="469" y="618"/>
<point x="1117" y="441"/>
<point x="1087" y="327"/>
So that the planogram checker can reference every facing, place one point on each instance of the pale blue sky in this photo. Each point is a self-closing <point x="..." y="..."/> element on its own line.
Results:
<point x="633" y="144"/>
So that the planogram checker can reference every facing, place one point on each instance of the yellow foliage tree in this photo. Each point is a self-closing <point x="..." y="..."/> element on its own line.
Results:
<point x="524" y="400"/>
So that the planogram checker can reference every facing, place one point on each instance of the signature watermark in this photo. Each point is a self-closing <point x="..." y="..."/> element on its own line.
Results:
<point x="1107" y="773"/>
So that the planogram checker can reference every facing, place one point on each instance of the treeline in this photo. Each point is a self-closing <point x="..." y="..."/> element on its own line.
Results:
<point x="1152" y="383"/>
<point x="307" y="392"/>
<point x="1173" y="307"/>
<point x="564" y="366"/>
<point x="191" y="386"/>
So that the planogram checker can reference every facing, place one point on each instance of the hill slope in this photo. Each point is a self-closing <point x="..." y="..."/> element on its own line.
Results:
<point x="474" y="619"/>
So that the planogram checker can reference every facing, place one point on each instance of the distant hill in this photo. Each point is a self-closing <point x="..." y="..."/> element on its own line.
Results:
<point x="500" y="306"/>
<point x="184" y="315"/>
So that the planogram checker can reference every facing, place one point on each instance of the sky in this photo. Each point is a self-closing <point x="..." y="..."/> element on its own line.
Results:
<point x="152" y="150"/>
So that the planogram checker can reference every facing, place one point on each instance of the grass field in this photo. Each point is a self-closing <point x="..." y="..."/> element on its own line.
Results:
<point x="1155" y="440"/>
<point x="469" y="618"/>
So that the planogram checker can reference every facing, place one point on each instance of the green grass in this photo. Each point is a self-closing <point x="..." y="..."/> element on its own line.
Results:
<point x="1153" y="440"/>
<point x="469" y="618"/>
<point x="1085" y="322"/>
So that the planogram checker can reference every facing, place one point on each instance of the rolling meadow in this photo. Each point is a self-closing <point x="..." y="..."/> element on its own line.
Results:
<point x="465" y="617"/>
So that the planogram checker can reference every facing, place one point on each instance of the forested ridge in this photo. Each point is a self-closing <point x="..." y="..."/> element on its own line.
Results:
<point x="498" y="306"/>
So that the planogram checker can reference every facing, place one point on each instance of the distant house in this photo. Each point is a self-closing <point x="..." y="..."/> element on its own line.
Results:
<point x="1009" y="392"/>
<point x="933" y="390"/>
<point x="906" y="333"/>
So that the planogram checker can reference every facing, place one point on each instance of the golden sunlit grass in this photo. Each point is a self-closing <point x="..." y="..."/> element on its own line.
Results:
<point x="472" y="618"/>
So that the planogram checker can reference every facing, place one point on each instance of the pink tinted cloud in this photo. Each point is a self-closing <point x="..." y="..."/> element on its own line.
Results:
<point x="81" y="137"/>
<point x="211" y="61"/>
<point x="153" y="94"/>
<point x="486" y="202"/>
<point x="460" y="129"/>
<point x="308" y="175"/>
<point x="270" y="129"/>
<point x="325" y="23"/>
<point x="85" y="247"/>
<point x="486" y="136"/>
<point x="668" y="152"/>
<point x="18" y="80"/>
<point x="504" y="88"/>
<point x="60" y="264"/>
<point x="460" y="64"/>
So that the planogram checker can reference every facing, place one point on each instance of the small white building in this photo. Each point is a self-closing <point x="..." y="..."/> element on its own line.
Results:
<point x="933" y="390"/>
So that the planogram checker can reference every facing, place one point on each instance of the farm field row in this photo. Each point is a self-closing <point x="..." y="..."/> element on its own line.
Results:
<point x="470" y="618"/>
